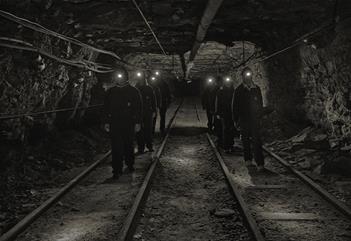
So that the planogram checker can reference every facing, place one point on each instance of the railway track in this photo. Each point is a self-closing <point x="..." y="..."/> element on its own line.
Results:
<point x="187" y="194"/>
<point x="189" y="198"/>
<point x="286" y="204"/>
<point x="30" y="218"/>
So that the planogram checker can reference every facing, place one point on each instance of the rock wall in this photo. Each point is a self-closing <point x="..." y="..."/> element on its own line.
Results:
<point x="24" y="89"/>
<point x="311" y="84"/>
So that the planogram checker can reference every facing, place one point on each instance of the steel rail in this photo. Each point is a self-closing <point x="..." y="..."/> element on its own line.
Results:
<point x="130" y="223"/>
<point x="253" y="227"/>
<point x="22" y="225"/>
<point x="343" y="208"/>
<point x="34" y="215"/>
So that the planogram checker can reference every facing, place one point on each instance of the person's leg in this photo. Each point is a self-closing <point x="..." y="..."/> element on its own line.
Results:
<point x="128" y="140"/>
<point x="211" y="124"/>
<point x="257" y="146"/>
<point x="148" y="132"/>
<point x="231" y="133"/>
<point x="209" y="120"/>
<point x="226" y="134"/>
<point x="162" y="119"/>
<point x="117" y="150"/>
<point x="140" y="138"/>
<point x="154" y="119"/>
<point x="219" y="133"/>
<point x="245" y="135"/>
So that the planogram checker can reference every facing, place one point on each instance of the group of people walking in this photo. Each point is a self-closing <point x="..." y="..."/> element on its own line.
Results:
<point x="130" y="114"/>
<point x="233" y="112"/>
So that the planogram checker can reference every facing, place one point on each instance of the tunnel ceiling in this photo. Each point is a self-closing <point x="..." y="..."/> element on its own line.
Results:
<point x="117" y="25"/>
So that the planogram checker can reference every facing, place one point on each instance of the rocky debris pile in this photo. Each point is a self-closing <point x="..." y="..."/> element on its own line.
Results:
<point x="313" y="150"/>
<point x="276" y="127"/>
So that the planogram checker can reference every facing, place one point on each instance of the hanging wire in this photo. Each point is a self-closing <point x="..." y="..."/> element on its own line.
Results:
<point x="297" y="42"/>
<point x="17" y="116"/>
<point x="80" y="63"/>
<point x="148" y="25"/>
<point x="86" y="64"/>
<point x="39" y="28"/>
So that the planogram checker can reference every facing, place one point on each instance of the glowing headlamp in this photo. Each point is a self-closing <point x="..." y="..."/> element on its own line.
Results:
<point x="139" y="74"/>
<point x="120" y="76"/>
<point x="157" y="73"/>
<point x="210" y="80"/>
<point x="248" y="74"/>
<point x="228" y="79"/>
<point x="153" y="78"/>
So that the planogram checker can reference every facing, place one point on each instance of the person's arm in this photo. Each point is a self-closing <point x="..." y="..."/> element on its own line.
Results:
<point x="168" y="94"/>
<point x="203" y="99"/>
<point x="236" y="105"/>
<point x="138" y="107"/>
<point x="159" y="97"/>
<point x="107" y="108"/>
<point x="106" y="119"/>
<point x="217" y="107"/>
<point x="153" y="100"/>
<point x="260" y="102"/>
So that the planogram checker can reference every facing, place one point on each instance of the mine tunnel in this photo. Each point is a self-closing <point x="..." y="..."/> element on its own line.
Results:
<point x="175" y="120"/>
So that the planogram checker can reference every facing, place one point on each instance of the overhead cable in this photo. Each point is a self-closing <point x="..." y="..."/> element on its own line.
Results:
<point x="16" y="116"/>
<point x="297" y="42"/>
<point x="76" y="63"/>
<point x="148" y="25"/>
<point x="39" y="28"/>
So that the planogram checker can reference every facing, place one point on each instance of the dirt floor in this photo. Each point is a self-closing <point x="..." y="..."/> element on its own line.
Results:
<point x="95" y="209"/>
<point x="189" y="199"/>
<point x="284" y="208"/>
<point x="47" y="164"/>
<point x="330" y="168"/>
<point x="311" y="150"/>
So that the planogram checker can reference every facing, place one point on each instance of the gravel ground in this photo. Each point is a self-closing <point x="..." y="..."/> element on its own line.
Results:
<point x="46" y="165"/>
<point x="95" y="209"/>
<point x="301" y="157"/>
<point x="189" y="199"/>
<point x="277" y="192"/>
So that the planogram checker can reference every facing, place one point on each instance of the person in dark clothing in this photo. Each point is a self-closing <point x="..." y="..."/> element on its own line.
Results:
<point x="144" y="136"/>
<point x="224" y="113"/>
<point x="208" y="102"/>
<point x="165" y="102"/>
<point x="217" y="121"/>
<point x="157" y="91"/>
<point x="123" y="117"/>
<point x="247" y="112"/>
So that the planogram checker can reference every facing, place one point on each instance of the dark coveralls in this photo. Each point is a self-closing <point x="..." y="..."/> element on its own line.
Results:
<point x="144" y="136"/>
<point x="247" y="110"/>
<point x="157" y="92"/>
<point x="209" y="104"/>
<point x="224" y="110"/>
<point x="165" y="101"/>
<point x="123" y="109"/>
<point x="217" y="124"/>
